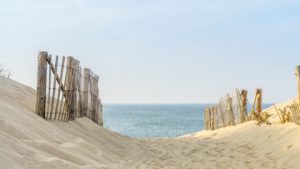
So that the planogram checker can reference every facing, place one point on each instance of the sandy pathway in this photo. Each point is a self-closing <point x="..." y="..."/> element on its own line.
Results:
<point x="195" y="153"/>
<point x="243" y="146"/>
<point x="28" y="141"/>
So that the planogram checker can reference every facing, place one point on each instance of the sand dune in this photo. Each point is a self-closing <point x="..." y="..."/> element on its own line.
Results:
<point x="28" y="141"/>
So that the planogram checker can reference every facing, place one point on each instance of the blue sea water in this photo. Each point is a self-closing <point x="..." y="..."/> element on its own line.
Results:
<point x="154" y="120"/>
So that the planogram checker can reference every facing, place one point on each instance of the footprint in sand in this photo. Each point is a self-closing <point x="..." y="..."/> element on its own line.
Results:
<point x="289" y="147"/>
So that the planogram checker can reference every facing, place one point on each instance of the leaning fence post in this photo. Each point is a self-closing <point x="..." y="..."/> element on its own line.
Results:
<point x="41" y="84"/>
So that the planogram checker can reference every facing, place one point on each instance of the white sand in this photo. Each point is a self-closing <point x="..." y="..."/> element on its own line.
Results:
<point x="28" y="141"/>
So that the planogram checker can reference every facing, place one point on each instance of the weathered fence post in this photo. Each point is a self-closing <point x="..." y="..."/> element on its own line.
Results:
<point x="211" y="124"/>
<point x="80" y="111"/>
<point x="298" y="80"/>
<point x="207" y="119"/>
<point x="213" y="118"/>
<point x="259" y="101"/>
<point x="99" y="112"/>
<point x="41" y="84"/>
<point x="74" y="89"/>
<point x="73" y="93"/>
<point x="95" y="100"/>
<point x="92" y="94"/>
<point x="85" y="94"/>
<point x="244" y="101"/>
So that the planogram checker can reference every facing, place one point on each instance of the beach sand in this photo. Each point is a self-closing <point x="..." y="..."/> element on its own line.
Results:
<point x="28" y="141"/>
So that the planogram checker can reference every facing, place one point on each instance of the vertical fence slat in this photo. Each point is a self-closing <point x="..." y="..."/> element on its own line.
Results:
<point x="53" y="88"/>
<point x="74" y="90"/>
<point x="85" y="94"/>
<point x="49" y="91"/>
<point x="230" y="110"/>
<point x="222" y="115"/>
<point x="90" y="112"/>
<point x="101" y="122"/>
<point x="80" y="92"/>
<point x="59" y="102"/>
<point x="95" y="92"/>
<point x="67" y="88"/>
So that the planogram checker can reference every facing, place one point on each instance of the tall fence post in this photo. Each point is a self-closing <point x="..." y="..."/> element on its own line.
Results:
<point x="244" y="94"/>
<point x="74" y="89"/>
<point x="80" y="110"/>
<point x="72" y="109"/>
<point x="298" y="80"/>
<point x="41" y="84"/>
<point x="68" y="89"/>
<point x="259" y="101"/>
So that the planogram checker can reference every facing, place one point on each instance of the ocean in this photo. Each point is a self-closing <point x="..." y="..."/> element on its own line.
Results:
<point x="155" y="120"/>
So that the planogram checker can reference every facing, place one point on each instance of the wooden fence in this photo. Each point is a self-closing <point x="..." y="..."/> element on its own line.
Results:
<point x="291" y="111"/>
<point x="65" y="91"/>
<point x="231" y="110"/>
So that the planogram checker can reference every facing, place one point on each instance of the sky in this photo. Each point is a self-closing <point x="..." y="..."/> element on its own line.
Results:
<point x="160" y="51"/>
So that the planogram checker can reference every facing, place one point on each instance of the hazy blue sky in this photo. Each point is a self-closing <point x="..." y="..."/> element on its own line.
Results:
<point x="164" y="51"/>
